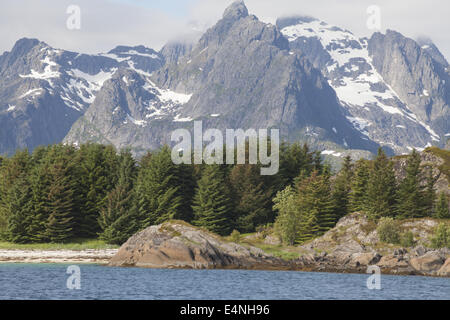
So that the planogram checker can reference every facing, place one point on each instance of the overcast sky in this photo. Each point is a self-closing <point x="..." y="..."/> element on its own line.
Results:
<point x="107" y="23"/>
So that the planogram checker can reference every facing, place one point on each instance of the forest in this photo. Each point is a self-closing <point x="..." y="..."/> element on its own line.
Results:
<point x="61" y="192"/>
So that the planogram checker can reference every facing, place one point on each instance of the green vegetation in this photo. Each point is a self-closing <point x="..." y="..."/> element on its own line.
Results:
<point x="388" y="230"/>
<point x="60" y="193"/>
<point x="441" y="236"/>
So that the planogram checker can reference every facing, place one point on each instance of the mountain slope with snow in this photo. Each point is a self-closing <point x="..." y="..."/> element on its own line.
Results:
<point x="370" y="102"/>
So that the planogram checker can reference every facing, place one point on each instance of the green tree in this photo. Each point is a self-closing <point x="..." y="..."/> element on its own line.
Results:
<point x="287" y="223"/>
<point x="381" y="188"/>
<point x="442" y="211"/>
<point x="410" y="195"/>
<point x="342" y="188"/>
<point x="314" y="198"/>
<point x="249" y="197"/>
<point x="60" y="205"/>
<point x="157" y="194"/>
<point x="212" y="203"/>
<point x="358" y="193"/>
<point x="117" y="219"/>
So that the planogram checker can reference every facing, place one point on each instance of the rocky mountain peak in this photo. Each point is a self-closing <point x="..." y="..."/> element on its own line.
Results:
<point x="236" y="11"/>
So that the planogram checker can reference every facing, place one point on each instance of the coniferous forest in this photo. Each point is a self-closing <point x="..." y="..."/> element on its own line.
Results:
<point x="62" y="192"/>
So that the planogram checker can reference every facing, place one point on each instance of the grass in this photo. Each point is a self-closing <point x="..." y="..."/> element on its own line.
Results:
<point x="282" y="252"/>
<point x="75" y="244"/>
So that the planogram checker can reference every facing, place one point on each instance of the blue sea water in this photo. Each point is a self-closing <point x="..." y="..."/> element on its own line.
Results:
<point x="49" y="281"/>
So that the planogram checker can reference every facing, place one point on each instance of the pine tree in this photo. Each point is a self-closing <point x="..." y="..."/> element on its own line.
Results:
<point x="116" y="218"/>
<point x="358" y="193"/>
<point x="342" y="187"/>
<point x="381" y="189"/>
<point x="212" y="203"/>
<point x="19" y="208"/>
<point x="96" y="176"/>
<point x="314" y="197"/>
<point x="60" y="205"/>
<point x="410" y="195"/>
<point x="16" y="205"/>
<point x="249" y="198"/>
<point x="157" y="195"/>
<point x="442" y="211"/>
<point x="40" y="182"/>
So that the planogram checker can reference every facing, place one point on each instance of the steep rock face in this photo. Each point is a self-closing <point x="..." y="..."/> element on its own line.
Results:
<point x="420" y="76"/>
<point x="43" y="90"/>
<point x="129" y="112"/>
<point x="242" y="75"/>
<point x="174" y="51"/>
<point x="371" y="104"/>
<point x="178" y="245"/>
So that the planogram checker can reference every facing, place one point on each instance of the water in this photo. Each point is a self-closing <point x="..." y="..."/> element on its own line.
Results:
<point x="48" y="281"/>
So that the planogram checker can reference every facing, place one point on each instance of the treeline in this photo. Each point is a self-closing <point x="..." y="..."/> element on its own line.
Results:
<point x="61" y="192"/>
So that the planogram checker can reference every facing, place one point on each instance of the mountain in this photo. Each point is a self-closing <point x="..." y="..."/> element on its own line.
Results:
<point x="240" y="74"/>
<point x="316" y="82"/>
<point x="43" y="90"/>
<point x="393" y="90"/>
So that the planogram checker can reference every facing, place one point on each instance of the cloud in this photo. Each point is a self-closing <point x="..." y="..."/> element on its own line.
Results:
<point x="107" y="23"/>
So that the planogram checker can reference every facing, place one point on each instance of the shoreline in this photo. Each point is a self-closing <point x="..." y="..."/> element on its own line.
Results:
<point x="103" y="256"/>
<point x="100" y="256"/>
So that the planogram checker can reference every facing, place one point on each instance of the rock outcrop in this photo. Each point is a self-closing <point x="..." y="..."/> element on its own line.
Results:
<point x="179" y="245"/>
<point x="350" y="247"/>
<point x="353" y="245"/>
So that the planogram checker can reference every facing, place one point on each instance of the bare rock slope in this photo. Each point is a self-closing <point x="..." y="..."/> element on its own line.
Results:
<point x="179" y="245"/>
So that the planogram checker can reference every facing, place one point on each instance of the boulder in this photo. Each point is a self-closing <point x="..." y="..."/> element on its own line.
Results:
<point x="180" y="245"/>
<point x="429" y="262"/>
<point x="444" y="271"/>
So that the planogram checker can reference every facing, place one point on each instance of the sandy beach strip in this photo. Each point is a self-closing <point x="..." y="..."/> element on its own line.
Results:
<point x="100" y="256"/>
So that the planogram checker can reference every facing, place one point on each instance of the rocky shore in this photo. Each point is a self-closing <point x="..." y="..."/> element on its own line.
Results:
<point x="350" y="247"/>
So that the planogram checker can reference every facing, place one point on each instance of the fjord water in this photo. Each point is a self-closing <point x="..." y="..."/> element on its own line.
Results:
<point x="48" y="281"/>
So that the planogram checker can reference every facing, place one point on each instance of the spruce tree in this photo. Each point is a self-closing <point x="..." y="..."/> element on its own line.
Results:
<point x="342" y="187"/>
<point x="157" y="195"/>
<point x="314" y="197"/>
<point x="20" y="208"/>
<point x="381" y="189"/>
<point x="249" y="198"/>
<point x="60" y="205"/>
<point x="359" y="182"/>
<point x="410" y="195"/>
<point x="212" y="204"/>
<point x="442" y="211"/>
<point x="116" y="218"/>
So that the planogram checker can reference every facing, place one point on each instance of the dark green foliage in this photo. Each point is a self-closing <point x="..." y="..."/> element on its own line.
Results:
<point x="342" y="187"/>
<point x="315" y="199"/>
<point x="410" y="195"/>
<point x="117" y="219"/>
<point x="442" y="211"/>
<point x="381" y="189"/>
<point x="158" y="194"/>
<point x="250" y="199"/>
<point x="212" y="203"/>
<point x="61" y="192"/>
<point x="358" y="193"/>
<point x="60" y="205"/>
